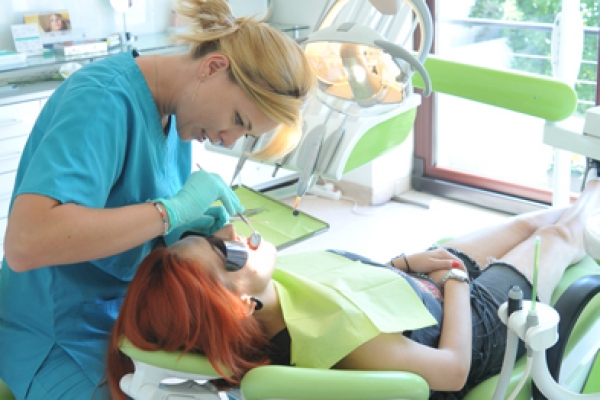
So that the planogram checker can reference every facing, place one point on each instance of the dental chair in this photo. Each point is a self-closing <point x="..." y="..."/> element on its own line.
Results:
<point x="575" y="299"/>
<point x="5" y="393"/>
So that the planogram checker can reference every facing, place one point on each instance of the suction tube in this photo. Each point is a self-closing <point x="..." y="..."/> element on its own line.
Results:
<point x="515" y="303"/>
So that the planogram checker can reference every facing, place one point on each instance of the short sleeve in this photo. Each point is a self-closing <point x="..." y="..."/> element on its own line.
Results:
<point x="82" y="140"/>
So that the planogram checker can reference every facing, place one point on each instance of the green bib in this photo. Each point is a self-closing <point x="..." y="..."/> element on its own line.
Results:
<point x="332" y="305"/>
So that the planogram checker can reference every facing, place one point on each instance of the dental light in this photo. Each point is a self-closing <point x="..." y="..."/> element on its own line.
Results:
<point x="365" y="57"/>
<point x="360" y="72"/>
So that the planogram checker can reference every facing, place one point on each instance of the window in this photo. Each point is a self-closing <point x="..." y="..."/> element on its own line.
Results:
<point x="470" y="144"/>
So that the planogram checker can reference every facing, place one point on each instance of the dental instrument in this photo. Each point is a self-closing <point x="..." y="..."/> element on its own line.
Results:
<point x="255" y="238"/>
<point x="313" y="142"/>
<point x="250" y="212"/>
<point x="531" y="321"/>
<point x="515" y="303"/>
<point x="249" y="145"/>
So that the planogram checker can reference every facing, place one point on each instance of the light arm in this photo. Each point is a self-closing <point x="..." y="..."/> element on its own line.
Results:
<point x="535" y="95"/>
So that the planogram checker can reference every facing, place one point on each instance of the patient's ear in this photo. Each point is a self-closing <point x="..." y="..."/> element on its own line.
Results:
<point x="249" y="304"/>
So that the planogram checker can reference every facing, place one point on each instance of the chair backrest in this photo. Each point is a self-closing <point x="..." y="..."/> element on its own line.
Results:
<point x="5" y="393"/>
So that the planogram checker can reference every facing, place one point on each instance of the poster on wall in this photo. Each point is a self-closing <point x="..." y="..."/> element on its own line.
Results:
<point x="54" y="27"/>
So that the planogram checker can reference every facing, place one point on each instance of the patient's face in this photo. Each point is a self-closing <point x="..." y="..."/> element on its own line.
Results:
<point x="250" y="279"/>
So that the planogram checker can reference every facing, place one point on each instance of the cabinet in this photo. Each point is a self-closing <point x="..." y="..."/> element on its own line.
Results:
<point x="16" y="121"/>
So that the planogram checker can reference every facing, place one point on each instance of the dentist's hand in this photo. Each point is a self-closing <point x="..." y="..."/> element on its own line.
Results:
<point x="198" y="193"/>
<point x="210" y="222"/>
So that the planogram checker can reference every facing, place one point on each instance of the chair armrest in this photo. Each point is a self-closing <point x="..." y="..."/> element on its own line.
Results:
<point x="570" y="305"/>
<point x="295" y="383"/>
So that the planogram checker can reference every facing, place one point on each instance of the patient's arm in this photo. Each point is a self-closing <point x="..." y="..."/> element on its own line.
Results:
<point x="445" y="368"/>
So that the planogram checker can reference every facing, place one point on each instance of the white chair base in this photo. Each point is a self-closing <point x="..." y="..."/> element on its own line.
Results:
<point x="148" y="383"/>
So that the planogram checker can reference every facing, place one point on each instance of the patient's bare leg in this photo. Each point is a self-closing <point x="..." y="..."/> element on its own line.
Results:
<point x="497" y="240"/>
<point x="560" y="245"/>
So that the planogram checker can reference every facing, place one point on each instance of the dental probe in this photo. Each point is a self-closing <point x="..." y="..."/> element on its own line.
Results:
<point x="254" y="239"/>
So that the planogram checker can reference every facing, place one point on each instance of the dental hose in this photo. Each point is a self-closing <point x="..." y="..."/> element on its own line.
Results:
<point x="515" y="297"/>
<point x="531" y="321"/>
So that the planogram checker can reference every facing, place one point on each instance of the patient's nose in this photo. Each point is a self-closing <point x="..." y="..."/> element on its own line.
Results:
<point x="227" y="232"/>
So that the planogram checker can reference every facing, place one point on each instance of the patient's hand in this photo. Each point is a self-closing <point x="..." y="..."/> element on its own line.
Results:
<point x="434" y="260"/>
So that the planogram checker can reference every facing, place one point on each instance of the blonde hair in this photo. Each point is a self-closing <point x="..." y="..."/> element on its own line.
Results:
<point x="269" y="66"/>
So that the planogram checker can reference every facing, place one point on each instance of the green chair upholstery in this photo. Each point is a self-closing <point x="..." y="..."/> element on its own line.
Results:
<point x="5" y="393"/>
<point x="281" y="382"/>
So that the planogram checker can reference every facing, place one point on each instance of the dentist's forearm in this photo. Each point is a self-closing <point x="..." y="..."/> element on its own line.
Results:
<point x="69" y="233"/>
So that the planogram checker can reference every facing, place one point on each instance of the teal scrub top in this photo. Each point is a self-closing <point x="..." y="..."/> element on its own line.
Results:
<point x="98" y="142"/>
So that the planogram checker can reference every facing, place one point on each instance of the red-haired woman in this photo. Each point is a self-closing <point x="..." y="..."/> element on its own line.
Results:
<point x="216" y="296"/>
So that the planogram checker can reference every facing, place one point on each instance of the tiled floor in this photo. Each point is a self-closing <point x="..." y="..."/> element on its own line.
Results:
<point x="380" y="232"/>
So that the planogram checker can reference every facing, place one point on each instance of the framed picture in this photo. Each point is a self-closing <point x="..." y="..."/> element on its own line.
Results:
<point x="54" y="26"/>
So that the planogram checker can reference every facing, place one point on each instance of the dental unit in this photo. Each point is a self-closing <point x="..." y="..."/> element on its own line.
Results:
<point x="365" y="104"/>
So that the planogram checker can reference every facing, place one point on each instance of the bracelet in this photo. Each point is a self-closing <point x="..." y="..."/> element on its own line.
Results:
<point x="163" y="215"/>
<point x="408" y="270"/>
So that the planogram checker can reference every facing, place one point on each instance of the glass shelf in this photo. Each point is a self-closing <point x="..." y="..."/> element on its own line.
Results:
<point x="151" y="43"/>
<point x="38" y="77"/>
<point x="144" y="44"/>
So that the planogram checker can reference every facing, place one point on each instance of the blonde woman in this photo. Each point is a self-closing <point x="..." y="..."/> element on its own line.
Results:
<point x="106" y="172"/>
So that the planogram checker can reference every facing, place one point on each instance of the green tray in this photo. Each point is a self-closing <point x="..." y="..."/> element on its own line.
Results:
<point x="276" y="222"/>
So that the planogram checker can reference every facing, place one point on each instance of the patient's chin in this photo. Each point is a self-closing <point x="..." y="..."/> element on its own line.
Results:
<point x="263" y="259"/>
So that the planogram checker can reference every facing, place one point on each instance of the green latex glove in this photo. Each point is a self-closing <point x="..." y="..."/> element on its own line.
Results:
<point x="211" y="221"/>
<point x="198" y="193"/>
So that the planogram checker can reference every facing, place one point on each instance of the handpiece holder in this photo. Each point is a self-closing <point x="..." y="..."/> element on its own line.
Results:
<point x="538" y="339"/>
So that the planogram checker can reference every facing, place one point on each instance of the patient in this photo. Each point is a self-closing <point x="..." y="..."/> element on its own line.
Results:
<point x="217" y="297"/>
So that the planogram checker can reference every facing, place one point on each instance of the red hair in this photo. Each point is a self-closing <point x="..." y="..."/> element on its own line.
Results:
<point x="174" y="304"/>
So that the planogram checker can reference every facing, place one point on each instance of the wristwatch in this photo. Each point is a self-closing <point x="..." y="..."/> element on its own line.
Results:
<point x="454" y="273"/>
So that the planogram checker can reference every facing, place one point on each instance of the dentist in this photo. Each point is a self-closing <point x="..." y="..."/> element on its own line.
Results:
<point x="106" y="173"/>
